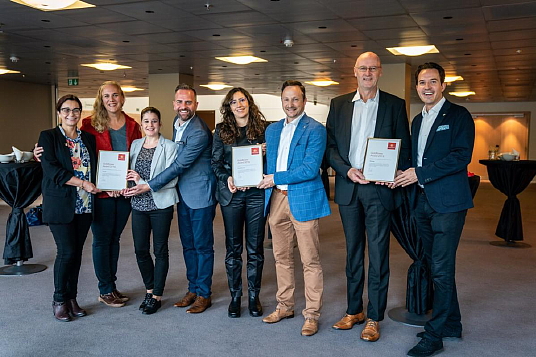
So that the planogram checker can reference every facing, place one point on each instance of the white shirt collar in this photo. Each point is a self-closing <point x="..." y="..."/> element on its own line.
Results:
<point x="435" y="109"/>
<point x="295" y="121"/>
<point x="357" y="96"/>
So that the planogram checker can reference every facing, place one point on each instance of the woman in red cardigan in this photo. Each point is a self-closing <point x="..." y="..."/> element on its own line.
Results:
<point x="113" y="130"/>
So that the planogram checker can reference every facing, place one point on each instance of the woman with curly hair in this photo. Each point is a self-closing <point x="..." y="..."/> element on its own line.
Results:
<point x="113" y="130"/>
<point x="242" y="207"/>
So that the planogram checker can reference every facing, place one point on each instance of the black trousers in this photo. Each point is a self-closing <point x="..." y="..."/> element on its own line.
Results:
<point x="440" y="234"/>
<point x="244" y="212"/>
<point x="69" y="238"/>
<point x="366" y="213"/>
<point x="111" y="216"/>
<point x="159" y="221"/>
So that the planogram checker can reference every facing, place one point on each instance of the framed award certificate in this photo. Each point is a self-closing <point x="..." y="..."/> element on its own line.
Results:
<point x="247" y="165"/>
<point x="112" y="170"/>
<point x="381" y="159"/>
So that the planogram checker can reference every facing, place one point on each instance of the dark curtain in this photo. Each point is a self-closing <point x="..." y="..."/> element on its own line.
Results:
<point x="20" y="186"/>
<point x="419" y="291"/>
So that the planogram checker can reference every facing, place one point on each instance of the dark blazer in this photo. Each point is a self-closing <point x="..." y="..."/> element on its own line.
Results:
<point x="222" y="156"/>
<point x="391" y="123"/>
<point x="447" y="153"/>
<point x="59" y="199"/>
<point x="192" y="166"/>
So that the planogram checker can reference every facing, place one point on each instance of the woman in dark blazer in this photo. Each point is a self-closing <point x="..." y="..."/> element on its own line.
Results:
<point x="69" y="164"/>
<point x="242" y="207"/>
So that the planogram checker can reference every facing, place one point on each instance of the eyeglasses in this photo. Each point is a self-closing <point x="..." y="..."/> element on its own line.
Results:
<point x="66" y="111"/>
<point x="372" y="69"/>
<point x="235" y="102"/>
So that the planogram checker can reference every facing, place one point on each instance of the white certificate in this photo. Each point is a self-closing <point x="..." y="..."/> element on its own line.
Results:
<point x="381" y="159"/>
<point x="247" y="165"/>
<point x="112" y="170"/>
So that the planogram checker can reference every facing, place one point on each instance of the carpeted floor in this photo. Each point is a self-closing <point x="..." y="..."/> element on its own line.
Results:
<point x="496" y="287"/>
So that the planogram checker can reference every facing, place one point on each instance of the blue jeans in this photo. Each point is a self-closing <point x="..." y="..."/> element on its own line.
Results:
<point x="111" y="216"/>
<point x="197" y="238"/>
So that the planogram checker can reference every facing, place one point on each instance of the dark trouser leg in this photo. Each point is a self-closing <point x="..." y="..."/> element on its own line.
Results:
<point x="161" y="222"/>
<point x="110" y="218"/>
<point x="440" y="234"/>
<point x="69" y="240"/>
<point x="377" y="222"/>
<point x="141" y="233"/>
<point x="233" y="221"/>
<point x="255" y="227"/>
<point x="353" y="222"/>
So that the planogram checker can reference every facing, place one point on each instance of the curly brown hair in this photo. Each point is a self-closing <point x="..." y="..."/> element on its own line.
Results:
<point x="99" y="116"/>
<point x="229" y="131"/>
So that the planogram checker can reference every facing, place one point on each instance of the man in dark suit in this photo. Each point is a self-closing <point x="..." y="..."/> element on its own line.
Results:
<point x="196" y="208"/>
<point x="443" y="136"/>
<point x="354" y="117"/>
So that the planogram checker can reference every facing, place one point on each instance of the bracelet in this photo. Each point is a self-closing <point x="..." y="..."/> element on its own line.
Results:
<point x="82" y="184"/>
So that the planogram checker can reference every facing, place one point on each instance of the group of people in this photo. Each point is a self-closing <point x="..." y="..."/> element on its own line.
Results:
<point x="194" y="171"/>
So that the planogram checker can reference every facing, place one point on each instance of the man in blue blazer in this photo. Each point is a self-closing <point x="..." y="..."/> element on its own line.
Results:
<point x="296" y="199"/>
<point x="443" y="136"/>
<point x="365" y="206"/>
<point x="196" y="207"/>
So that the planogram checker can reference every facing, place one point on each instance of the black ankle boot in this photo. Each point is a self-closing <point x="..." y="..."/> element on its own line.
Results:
<point x="61" y="311"/>
<point x="234" y="307"/>
<point x="255" y="307"/>
<point x="145" y="301"/>
<point x="152" y="306"/>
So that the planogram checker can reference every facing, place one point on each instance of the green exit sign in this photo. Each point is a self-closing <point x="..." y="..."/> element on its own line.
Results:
<point x="72" y="81"/>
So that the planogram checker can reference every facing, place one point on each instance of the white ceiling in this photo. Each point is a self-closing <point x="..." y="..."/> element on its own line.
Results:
<point x="491" y="43"/>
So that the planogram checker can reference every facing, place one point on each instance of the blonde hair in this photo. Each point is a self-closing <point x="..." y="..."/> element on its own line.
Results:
<point x="99" y="116"/>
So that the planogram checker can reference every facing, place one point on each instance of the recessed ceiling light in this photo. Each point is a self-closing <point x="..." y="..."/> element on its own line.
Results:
<point x="449" y="79"/>
<point x="216" y="35"/>
<point x="322" y="27"/>
<point x="5" y="71"/>
<point x="412" y="50"/>
<point x="149" y="11"/>
<point x="447" y="17"/>
<point x="322" y="83"/>
<point x="54" y="5"/>
<point x="462" y="94"/>
<point x="105" y="66"/>
<point x="130" y="89"/>
<point x="215" y="86"/>
<point x="241" y="59"/>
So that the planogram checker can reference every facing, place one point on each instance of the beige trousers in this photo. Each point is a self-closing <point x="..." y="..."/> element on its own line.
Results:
<point x="284" y="229"/>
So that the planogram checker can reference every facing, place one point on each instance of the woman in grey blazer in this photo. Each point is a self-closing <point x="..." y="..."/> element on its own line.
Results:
<point x="152" y="211"/>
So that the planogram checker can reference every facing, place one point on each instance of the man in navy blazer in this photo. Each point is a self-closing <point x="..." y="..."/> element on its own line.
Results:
<point x="296" y="199"/>
<point x="196" y="207"/>
<point x="443" y="136"/>
<point x="364" y="206"/>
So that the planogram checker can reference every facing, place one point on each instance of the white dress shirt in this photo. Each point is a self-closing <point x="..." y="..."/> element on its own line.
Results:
<point x="363" y="125"/>
<point x="284" y="146"/>
<point x="428" y="118"/>
<point x="180" y="128"/>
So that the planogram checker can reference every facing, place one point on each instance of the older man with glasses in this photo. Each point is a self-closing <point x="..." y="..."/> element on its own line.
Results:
<point x="364" y="206"/>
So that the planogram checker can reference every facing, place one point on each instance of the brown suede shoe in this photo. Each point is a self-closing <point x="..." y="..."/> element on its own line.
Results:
<point x="111" y="300"/>
<point x="371" y="332"/>
<point x="310" y="327"/>
<point x="348" y="321"/>
<point x="200" y="304"/>
<point x="278" y="315"/>
<point x="187" y="300"/>
<point x="120" y="296"/>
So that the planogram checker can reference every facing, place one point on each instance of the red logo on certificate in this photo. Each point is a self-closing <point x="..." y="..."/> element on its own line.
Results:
<point x="121" y="157"/>
<point x="254" y="151"/>
<point x="391" y="146"/>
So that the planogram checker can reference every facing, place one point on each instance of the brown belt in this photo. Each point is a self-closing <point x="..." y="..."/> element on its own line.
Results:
<point x="284" y="192"/>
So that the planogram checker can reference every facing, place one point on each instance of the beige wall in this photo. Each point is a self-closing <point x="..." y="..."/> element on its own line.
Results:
<point x="25" y="110"/>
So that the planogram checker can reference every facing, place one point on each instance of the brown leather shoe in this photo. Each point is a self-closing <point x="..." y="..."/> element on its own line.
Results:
<point x="348" y="321"/>
<point x="200" y="304"/>
<point x="120" y="296"/>
<point x="278" y="315"/>
<point x="111" y="300"/>
<point x="310" y="327"/>
<point x="187" y="300"/>
<point x="74" y="309"/>
<point x="371" y="332"/>
<point x="61" y="311"/>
